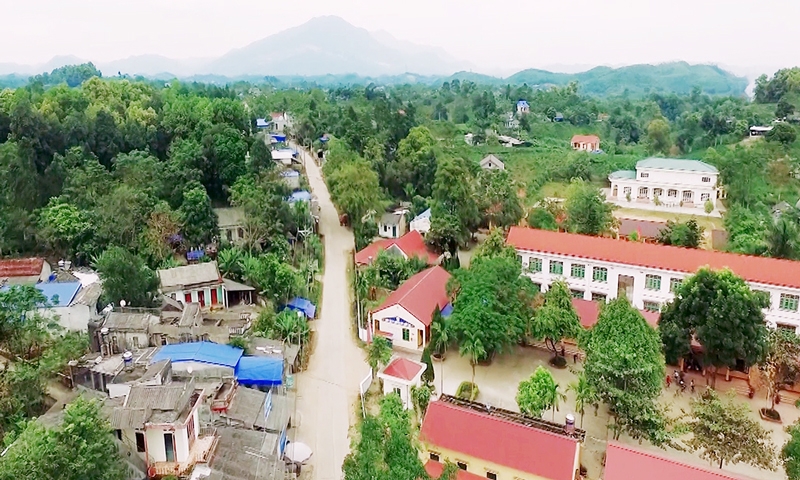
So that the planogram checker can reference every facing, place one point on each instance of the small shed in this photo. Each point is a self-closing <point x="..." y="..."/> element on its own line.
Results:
<point x="300" y="196"/>
<point x="291" y="178"/>
<point x="300" y="304"/>
<point x="491" y="162"/>
<point x="422" y="222"/>
<point x="399" y="376"/>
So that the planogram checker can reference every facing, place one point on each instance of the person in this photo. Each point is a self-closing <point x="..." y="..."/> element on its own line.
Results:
<point x="691" y="384"/>
<point x="677" y="376"/>
<point x="575" y="357"/>
<point x="669" y="381"/>
<point x="683" y="385"/>
<point x="563" y="351"/>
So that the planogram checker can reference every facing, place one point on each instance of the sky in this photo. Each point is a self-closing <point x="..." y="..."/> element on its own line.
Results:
<point x="498" y="36"/>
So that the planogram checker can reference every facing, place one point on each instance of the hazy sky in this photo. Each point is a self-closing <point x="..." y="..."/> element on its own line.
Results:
<point x="498" y="34"/>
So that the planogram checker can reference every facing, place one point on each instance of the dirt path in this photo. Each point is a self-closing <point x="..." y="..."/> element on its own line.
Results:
<point x="328" y="389"/>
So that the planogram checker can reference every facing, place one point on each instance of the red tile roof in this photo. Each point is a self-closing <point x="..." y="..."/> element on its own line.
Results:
<point x="585" y="139"/>
<point x="589" y="310"/>
<point x="411" y="244"/>
<point x="643" y="228"/>
<point x="421" y="294"/>
<point x="21" y="267"/>
<point x="523" y="448"/>
<point x="624" y="463"/>
<point x="403" y="368"/>
<point x="435" y="469"/>
<point x="770" y="271"/>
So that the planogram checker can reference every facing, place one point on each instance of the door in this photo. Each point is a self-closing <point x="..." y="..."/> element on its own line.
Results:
<point x="169" y="446"/>
<point x="201" y="297"/>
<point x="394" y="231"/>
<point x="188" y="297"/>
<point x="214" y="299"/>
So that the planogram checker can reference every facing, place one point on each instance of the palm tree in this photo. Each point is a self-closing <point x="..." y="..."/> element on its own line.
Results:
<point x="379" y="353"/>
<point x="554" y="396"/>
<point x="584" y="394"/>
<point x="230" y="262"/>
<point x="473" y="347"/>
<point x="782" y="239"/>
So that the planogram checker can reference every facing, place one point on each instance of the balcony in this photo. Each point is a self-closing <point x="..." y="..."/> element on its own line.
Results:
<point x="201" y="451"/>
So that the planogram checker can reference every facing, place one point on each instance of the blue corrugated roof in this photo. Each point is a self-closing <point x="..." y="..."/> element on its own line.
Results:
<point x="260" y="371"/>
<point x="204" y="352"/>
<point x="447" y="310"/>
<point x="304" y="305"/>
<point x="58" y="294"/>
<point x="425" y="214"/>
<point x="300" y="196"/>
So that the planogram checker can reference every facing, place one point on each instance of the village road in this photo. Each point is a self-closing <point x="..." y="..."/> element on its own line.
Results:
<point x="327" y="392"/>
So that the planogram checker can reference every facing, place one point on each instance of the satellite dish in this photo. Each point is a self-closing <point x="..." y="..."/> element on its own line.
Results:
<point x="189" y="370"/>
<point x="122" y="303"/>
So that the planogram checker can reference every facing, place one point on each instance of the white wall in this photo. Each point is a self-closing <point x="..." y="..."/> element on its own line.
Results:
<point x="75" y="318"/>
<point x="397" y="330"/>
<point x="181" y="444"/>
<point x="667" y="180"/>
<point x="405" y="391"/>
<point x="118" y="390"/>
<point x="640" y="294"/>
<point x="421" y="225"/>
<point x="154" y="438"/>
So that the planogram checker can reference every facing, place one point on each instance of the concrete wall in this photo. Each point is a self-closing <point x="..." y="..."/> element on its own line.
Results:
<point x="154" y="438"/>
<point x="75" y="318"/>
<point x="422" y="225"/>
<point x="415" y="330"/>
<point x="667" y="180"/>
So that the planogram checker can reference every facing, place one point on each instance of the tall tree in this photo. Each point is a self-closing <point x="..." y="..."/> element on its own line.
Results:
<point x="585" y="395"/>
<point x="587" y="210"/>
<point x="198" y="218"/>
<point x="780" y="367"/>
<point x="783" y="239"/>
<point x="379" y="353"/>
<point x="723" y="432"/>
<point x="718" y="309"/>
<point x="496" y="192"/>
<point x="624" y="365"/>
<point x="454" y="198"/>
<point x="556" y="319"/>
<point x="658" y="134"/>
<point x="538" y="393"/>
<point x="126" y="277"/>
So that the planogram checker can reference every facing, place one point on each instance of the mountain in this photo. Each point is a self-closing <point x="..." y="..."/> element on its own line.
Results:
<point x="330" y="46"/>
<point x="49" y="66"/>
<point x="677" y="77"/>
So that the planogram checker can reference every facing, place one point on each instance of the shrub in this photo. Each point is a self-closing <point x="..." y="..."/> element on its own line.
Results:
<point x="708" y="206"/>
<point x="467" y="391"/>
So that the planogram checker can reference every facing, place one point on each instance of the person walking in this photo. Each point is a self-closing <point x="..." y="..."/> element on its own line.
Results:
<point x="669" y="381"/>
<point x="691" y="384"/>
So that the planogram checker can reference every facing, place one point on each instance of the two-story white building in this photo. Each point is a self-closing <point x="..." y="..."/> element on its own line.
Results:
<point x="599" y="269"/>
<point x="667" y="183"/>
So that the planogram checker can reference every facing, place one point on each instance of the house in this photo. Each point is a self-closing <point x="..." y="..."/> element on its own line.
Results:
<point x="284" y="156"/>
<point x="588" y="143"/>
<point x="662" y="183"/>
<point x="192" y="324"/>
<point x="405" y="316"/>
<point x="122" y="331"/>
<point x="231" y="224"/>
<point x="399" y="376"/>
<point x="238" y="406"/>
<point x="511" y="122"/>
<point x="200" y="282"/>
<point x="491" y="162"/>
<point x="24" y="271"/>
<point x="422" y="222"/>
<point x="507" y="141"/>
<point x="73" y="304"/>
<point x="279" y="121"/>
<point x="523" y="107"/>
<point x="409" y="245"/>
<point x="759" y="131"/>
<point x="645" y="230"/>
<point x="469" y="139"/>
<point x="647" y="274"/>
<point x="291" y="178"/>
<point x="392" y="224"/>
<point x="494" y="443"/>
<point x="625" y="462"/>
<point x="589" y="311"/>
<point x="261" y="123"/>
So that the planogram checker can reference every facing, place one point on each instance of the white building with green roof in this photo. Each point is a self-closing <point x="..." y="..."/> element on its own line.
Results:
<point x="666" y="183"/>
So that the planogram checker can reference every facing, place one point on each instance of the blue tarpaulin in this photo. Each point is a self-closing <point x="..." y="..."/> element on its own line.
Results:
<point x="304" y="305"/>
<point x="195" y="254"/>
<point x="447" y="310"/>
<point x="278" y="137"/>
<point x="300" y="196"/>
<point x="203" y="352"/>
<point x="261" y="123"/>
<point x="260" y="371"/>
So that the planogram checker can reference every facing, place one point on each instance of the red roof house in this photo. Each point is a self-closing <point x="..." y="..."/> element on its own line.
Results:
<point x="589" y="311"/>
<point x="493" y="440"/>
<point x="588" y="143"/>
<point x="409" y="245"/>
<point x="624" y="462"/>
<point x="400" y="376"/>
<point x="406" y="314"/>
<point x="24" y="270"/>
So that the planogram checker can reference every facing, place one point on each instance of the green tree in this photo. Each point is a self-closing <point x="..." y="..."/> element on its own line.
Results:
<point x="453" y="199"/>
<point x="472" y="347"/>
<point x="421" y="397"/>
<point x="724" y="433"/>
<point x="379" y="352"/>
<point x="126" y="277"/>
<point x="415" y="165"/>
<point x="783" y="239"/>
<point x="625" y="366"/>
<point x="428" y="375"/>
<point x="499" y="204"/>
<point x="542" y="219"/>
<point x="718" y="309"/>
<point x="780" y="367"/>
<point x="230" y="261"/>
<point x="782" y="133"/>
<point x="587" y="210"/>
<point x="82" y="447"/>
<point x="556" y="319"/>
<point x="198" y="218"/>
<point x="260" y="156"/>
<point x="790" y="453"/>
<point x="63" y="226"/>
<point x="539" y="393"/>
<point x="658" y="135"/>
<point x="783" y="109"/>
<point x="688" y="234"/>
<point x="585" y="395"/>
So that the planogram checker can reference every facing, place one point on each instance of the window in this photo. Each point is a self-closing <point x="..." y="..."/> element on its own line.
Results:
<point x="140" y="442"/>
<point x="535" y="265"/>
<point x="644" y="175"/>
<point x="652" y="282"/>
<point x="789" y="302"/>
<point x="434" y="456"/>
<point x="704" y="196"/>
<point x="642" y="192"/>
<point x="491" y="475"/>
<point x="672" y="193"/>
<point x="626" y="190"/>
<point x="461" y="465"/>
<point x="118" y="434"/>
<point x="674" y="283"/>
<point x="396" y="390"/>
<point x="406" y="334"/>
<point x="688" y="195"/>
<point x="598" y="297"/>
<point x="576" y="293"/>
<point x="578" y="270"/>
<point x="556" y="268"/>
<point x="520" y="260"/>
<point x="658" y="192"/>
<point x="136" y="342"/>
<point x="600" y="274"/>
<point x="652" y="306"/>
<point x="706" y="179"/>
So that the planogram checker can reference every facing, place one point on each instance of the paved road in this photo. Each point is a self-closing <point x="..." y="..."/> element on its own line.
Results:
<point x="328" y="389"/>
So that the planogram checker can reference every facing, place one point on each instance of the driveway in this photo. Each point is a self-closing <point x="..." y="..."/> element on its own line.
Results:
<point x="327" y="392"/>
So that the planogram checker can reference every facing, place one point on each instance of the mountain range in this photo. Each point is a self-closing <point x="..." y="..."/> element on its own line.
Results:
<point x="328" y="50"/>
